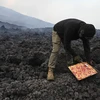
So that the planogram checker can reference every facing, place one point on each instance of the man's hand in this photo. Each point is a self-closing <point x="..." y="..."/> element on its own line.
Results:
<point x="92" y="63"/>
<point x="77" y="59"/>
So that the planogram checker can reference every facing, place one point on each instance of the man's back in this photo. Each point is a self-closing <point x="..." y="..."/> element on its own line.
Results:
<point x="70" y="27"/>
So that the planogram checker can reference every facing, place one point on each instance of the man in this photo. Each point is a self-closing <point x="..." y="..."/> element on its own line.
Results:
<point x="65" y="31"/>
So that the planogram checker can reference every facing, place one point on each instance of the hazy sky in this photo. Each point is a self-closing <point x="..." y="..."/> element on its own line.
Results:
<point x="55" y="10"/>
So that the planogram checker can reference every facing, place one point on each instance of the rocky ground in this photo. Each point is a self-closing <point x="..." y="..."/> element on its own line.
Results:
<point x="23" y="70"/>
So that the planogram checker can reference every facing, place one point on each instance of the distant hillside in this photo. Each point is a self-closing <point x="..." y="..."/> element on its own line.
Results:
<point x="10" y="26"/>
<point x="13" y="17"/>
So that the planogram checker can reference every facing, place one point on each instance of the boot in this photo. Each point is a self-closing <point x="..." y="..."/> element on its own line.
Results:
<point x="50" y="76"/>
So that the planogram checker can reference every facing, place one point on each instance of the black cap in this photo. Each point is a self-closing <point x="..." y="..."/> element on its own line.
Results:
<point x="89" y="30"/>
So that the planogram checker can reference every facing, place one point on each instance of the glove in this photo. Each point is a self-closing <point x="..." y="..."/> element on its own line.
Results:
<point x="77" y="59"/>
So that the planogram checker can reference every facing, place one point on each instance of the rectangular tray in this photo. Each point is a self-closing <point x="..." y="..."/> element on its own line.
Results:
<point x="82" y="70"/>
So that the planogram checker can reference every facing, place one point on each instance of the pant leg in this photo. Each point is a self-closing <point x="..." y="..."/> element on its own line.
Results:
<point x="56" y="42"/>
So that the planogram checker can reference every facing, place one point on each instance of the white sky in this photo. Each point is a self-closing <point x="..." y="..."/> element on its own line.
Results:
<point x="55" y="10"/>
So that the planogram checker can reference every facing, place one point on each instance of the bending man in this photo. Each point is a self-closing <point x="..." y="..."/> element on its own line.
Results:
<point x="65" y="31"/>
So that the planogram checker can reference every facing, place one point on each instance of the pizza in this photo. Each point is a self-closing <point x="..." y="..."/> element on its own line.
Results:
<point x="82" y="70"/>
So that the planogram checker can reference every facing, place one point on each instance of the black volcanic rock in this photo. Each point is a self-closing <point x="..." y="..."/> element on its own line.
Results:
<point x="23" y="69"/>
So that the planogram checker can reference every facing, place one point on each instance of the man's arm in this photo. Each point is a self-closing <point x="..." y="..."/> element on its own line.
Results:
<point x="67" y="45"/>
<point x="76" y="58"/>
<point x="86" y="46"/>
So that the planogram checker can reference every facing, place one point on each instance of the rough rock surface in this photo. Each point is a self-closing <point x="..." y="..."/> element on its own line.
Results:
<point x="23" y="70"/>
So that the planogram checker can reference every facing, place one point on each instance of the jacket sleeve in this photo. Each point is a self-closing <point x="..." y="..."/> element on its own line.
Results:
<point x="68" y="48"/>
<point x="67" y="45"/>
<point x="86" y="46"/>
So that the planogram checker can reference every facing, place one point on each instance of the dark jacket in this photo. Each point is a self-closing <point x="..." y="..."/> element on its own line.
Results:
<point x="68" y="30"/>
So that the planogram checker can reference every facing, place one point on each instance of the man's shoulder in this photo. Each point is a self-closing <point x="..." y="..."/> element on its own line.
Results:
<point x="71" y="19"/>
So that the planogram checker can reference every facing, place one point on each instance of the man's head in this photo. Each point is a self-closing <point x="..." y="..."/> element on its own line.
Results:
<point x="87" y="31"/>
